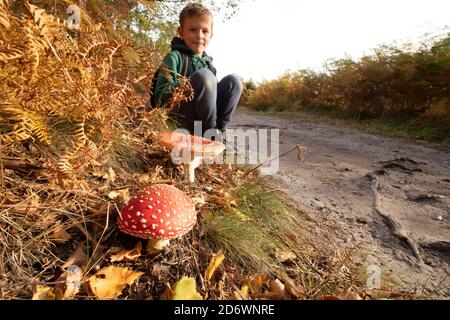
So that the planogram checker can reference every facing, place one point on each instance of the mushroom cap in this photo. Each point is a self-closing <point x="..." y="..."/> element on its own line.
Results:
<point x="187" y="142"/>
<point x="159" y="212"/>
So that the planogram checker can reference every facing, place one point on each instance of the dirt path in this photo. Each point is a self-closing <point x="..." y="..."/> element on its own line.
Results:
<point x="391" y="197"/>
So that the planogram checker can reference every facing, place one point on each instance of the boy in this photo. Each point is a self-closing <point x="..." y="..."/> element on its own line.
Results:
<point x="214" y="102"/>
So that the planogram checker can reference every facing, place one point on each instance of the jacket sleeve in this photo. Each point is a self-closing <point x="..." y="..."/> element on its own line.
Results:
<point x="168" y="77"/>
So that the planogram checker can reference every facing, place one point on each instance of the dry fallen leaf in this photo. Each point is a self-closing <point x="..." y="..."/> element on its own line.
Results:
<point x="110" y="176"/>
<point x="277" y="290"/>
<point x="199" y="200"/>
<point x="109" y="282"/>
<point x="329" y="298"/>
<point x="185" y="289"/>
<point x="59" y="234"/>
<point x="43" y="293"/>
<point x="255" y="283"/>
<point x="124" y="193"/>
<point x="242" y="294"/>
<point x="348" y="296"/>
<point x="215" y="262"/>
<point x="168" y="293"/>
<point x="292" y="288"/>
<point x="143" y="178"/>
<point x="128" y="255"/>
<point x="284" y="255"/>
<point x="219" y="201"/>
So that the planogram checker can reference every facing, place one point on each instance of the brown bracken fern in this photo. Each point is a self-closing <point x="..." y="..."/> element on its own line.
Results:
<point x="71" y="90"/>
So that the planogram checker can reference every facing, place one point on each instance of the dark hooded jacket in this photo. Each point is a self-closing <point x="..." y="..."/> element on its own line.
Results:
<point x="172" y="68"/>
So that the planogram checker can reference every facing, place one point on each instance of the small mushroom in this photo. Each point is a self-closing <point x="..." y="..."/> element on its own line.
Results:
<point x="193" y="148"/>
<point x="159" y="213"/>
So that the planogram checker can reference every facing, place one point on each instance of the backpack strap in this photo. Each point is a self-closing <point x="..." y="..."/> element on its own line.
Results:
<point x="212" y="68"/>
<point x="187" y="63"/>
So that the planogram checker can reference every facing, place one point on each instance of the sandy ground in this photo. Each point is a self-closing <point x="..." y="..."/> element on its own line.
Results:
<point x="332" y="181"/>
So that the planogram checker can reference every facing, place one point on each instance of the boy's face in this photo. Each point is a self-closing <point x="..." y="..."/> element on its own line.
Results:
<point x="196" y="33"/>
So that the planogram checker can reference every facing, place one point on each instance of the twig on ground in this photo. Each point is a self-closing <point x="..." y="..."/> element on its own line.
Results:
<point x="298" y="147"/>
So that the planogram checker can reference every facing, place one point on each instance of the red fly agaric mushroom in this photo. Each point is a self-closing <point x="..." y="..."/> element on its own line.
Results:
<point x="192" y="148"/>
<point x="159" y="213"/>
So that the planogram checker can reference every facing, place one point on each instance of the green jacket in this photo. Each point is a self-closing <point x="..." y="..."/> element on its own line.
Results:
<point x="173" y="61"/>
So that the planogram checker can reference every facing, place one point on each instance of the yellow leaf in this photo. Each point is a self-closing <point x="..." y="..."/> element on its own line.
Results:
<point x="43" y="293"/>
<point x="128" y="255"/>
<point x="241" y="216"/>
<point x="244" y="291"/>
<point x="109" y="282"/>
<point x="241" y="294"/>
<point x="215" y="262"/>
<point x="185" y="289"/>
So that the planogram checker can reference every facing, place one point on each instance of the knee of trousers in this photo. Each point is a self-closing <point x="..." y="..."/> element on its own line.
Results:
<point x="204" y="78"/>
<point x="234" y="81"/>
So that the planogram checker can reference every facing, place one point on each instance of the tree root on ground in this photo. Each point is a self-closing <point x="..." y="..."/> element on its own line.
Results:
<point x="441" y="246"/>
<point x="393" y="224"/>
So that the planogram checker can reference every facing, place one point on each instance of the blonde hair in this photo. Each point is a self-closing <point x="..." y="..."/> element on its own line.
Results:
<point x="194" y="10"/>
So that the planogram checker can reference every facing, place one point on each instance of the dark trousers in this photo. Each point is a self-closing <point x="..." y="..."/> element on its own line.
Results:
<point x="214" y="102"/>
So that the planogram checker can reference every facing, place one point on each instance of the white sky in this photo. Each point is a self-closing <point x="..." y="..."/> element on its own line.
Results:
<point x="269" y="37"/>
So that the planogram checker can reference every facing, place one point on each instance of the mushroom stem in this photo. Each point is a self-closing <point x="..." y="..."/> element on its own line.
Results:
<point x="191" y="167"/>
<point x="154" y="245"/>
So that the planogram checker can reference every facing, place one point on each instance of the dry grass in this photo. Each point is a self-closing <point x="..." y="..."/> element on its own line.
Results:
<point x="267" y="234"/>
